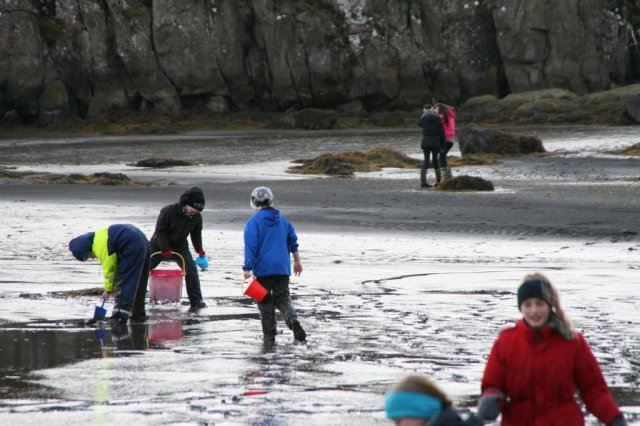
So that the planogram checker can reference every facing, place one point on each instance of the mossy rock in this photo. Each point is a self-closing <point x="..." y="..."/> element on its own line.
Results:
<point x="466" y="183"/>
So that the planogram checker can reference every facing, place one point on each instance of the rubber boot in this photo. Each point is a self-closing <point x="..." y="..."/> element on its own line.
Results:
<point x="438" y="177"/>
<point x="447" y="172"/>
<point x="423" y="179"/>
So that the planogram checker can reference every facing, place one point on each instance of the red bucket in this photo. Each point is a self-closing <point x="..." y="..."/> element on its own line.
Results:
<point x="256" y="290"/>
<point x="165" y="285"/>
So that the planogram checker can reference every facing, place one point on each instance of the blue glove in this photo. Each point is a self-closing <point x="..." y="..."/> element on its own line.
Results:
<point x="201" y="261"/>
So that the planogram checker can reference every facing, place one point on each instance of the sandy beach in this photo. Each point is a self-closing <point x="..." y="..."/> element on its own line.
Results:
<point x="396" y="279"/>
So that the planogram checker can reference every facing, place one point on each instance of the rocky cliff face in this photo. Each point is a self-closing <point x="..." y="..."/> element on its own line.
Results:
<point x="85" y="57"/>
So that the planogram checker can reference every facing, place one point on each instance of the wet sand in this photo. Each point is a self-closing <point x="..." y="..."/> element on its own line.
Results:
<point x="396" y="279"/>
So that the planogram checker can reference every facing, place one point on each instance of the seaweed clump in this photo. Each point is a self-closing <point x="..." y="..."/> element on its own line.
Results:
<point x="163" y="163"/>
<point x="348" y="163"/>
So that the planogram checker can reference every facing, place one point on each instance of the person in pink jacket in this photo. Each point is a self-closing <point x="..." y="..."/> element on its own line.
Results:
<point x="448" y="117"/>
<point x="536" y="367"/>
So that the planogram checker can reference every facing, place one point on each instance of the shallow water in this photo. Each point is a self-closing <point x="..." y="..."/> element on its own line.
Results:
<point x="375" y="305"/>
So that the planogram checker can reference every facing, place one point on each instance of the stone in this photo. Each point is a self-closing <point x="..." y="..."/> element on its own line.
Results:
<point x="478" y="140"/>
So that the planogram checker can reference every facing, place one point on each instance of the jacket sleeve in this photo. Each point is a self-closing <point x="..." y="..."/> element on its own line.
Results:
<point x="196" y="236"/>
<point x="495" y="370"/>
<point x="250" y="246"/>
<point x="292" y="239"/>
<point x="591" y="384"/>
<point x="109" y="262"/>
<point x="443" y="138"/>
<point x="162" y="229"/>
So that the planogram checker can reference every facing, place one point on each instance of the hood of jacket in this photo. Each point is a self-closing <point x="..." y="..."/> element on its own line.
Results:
<point x="193" y="197"/>
<point x="429" y="115"/>
<point x="268" y="215"/>
<point x="81" y="246"/>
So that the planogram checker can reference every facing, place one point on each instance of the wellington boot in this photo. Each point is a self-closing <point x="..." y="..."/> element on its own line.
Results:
<point x="438" y="177"/>
<point x="298" y="332"/>
<point x="423" y="179"/>
<point x="447" y="172"/>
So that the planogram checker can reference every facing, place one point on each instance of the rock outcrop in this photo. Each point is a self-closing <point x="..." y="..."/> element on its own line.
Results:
<point x="618" y="106"/>
<point x="479" y="140"/>
<point x="69" y="57"/>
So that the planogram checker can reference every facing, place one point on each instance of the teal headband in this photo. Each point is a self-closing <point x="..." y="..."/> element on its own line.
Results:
<point x="399" y="404"/>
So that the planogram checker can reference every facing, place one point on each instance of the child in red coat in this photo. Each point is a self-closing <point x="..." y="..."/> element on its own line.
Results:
<point x="535" y="367"/>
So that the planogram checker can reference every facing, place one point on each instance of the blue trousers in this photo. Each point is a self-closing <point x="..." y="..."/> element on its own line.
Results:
<point x="132" y="275"/>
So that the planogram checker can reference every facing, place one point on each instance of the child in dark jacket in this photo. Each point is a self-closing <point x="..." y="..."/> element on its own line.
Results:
<point x="268" y="240"/>
<point x="123" y="251"/>
<point x="175" y="223"/>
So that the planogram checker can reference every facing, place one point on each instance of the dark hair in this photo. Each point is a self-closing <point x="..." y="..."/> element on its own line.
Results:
<point x="444" y="111"/>
<point x="428" y="106"/>
<point x="558" y="319"/>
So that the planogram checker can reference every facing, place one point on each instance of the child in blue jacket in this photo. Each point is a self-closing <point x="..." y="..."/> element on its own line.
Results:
<point x="268" y="240"/>
<point x="123" y="251"/>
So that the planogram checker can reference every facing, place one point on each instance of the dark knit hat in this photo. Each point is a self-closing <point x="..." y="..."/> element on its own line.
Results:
<point x="81" y="246"/>
<point x="529" y="289"/>
<point x="193" y="197"/>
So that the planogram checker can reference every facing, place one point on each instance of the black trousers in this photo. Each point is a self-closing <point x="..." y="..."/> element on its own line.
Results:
<point x="277" y="297"/>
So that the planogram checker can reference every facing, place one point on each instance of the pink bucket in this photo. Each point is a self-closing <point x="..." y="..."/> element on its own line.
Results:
<point x="165" y="331"/>
<point x="165" y="285"/>
<point x="256" y="290"/>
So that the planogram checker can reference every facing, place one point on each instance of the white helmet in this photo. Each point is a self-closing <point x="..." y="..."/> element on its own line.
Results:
<point x="261" y="197"/>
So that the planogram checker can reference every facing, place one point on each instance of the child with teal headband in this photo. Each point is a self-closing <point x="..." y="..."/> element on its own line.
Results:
<point x="417" y="400"/>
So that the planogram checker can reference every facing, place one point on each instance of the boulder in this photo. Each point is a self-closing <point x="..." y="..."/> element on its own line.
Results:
<point x="478" y="140"/>
<point x="12" y="117"/>
<point x="633" y="109"/>
<point x="218" y="104"/>
<point x="466" y="183"/>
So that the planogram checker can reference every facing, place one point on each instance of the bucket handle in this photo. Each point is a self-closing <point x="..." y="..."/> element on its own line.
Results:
<point x="244" y="280"/>
<point x="184" y="264"/>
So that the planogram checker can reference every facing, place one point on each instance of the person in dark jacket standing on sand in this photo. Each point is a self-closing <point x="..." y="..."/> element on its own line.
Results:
<point x="417" y="400"/>
<point x="268" y="240"/>
<point x="535" y="368"/>
<point x="123" y="252"/>
<point x="433" y="140"/>
<point x="175" y="223"/>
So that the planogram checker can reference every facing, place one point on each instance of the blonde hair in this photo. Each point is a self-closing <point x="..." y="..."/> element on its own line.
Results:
<point x="558" y="320"/>
<point x="423" y="384"/>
